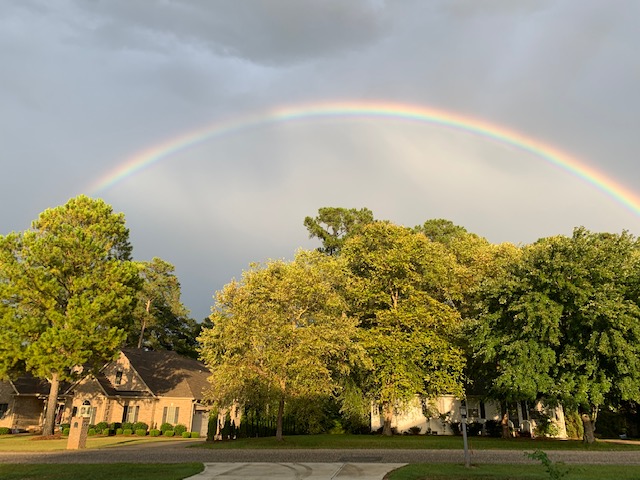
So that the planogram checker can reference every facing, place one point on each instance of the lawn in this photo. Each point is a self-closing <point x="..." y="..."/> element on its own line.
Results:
<point x="434" y="442"/>
<point x="111" y="471"/>
<point x="421" y="471"/>
<point x="27" y="443"/>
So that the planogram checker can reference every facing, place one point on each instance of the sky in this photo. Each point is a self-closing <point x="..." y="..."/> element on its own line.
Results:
<point x="197" y="92"/>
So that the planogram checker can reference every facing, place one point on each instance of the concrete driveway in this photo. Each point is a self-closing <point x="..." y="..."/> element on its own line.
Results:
<point x="298" y="471"/>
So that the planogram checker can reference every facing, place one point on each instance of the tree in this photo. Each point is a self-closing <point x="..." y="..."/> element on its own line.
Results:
<point x="334" y="225"/>
<point x="563" y="324"/>
<point x="161" y="320"/>
<point x="399" y="289"/>
<point x="281" y="332"/>
<point x="67" y="292"/>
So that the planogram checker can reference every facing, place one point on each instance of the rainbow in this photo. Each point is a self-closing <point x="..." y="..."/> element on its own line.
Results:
<point x="384" y="110"/>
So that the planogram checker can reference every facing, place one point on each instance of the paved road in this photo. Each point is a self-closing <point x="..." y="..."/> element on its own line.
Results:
<point x="178" y="452"/>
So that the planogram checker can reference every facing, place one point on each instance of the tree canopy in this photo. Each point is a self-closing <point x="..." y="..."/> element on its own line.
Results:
<point x="563" y="323"/>
<point x="67" y="293"/>
<point x="281" y="331"/>
<point x="334" y="225"/>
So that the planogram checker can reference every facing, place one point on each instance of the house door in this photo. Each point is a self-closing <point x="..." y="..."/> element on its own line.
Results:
<point x="200" y="422"/>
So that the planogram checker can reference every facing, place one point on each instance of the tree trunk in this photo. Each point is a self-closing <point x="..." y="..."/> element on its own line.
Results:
<point x="280" y="419"/>
<point x="506" y="431"/>
<point x="589" y="425"/>
<point x="144" y="325"/>
<point x="52" y="404"/>
<point x="387" y="410"/>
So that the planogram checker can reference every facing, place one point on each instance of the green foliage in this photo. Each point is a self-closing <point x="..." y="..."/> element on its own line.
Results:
<point x="127" y="431"/>
<point x="168" y="433"/>
<point x="120" y="431"/>
<point x="92" y="432"/>
<point x="154" y="432"/>
<point x="280" y="333"/>
<point x="556" y="471"/>
<point x="127" y="426"/>
<point x="334" y="225"/>
<point x="185" y="434"/>
<point x="106" y="432"/>
<point x="195" y="434"/>
<point x="100" y="426"/>
<point x="562" y="322"/>
<point x="179" y="429"/>
<point x="140" y="426"/>
<point x="573" y="424"/>
<point x="141" y="432"/>
<point x="161" y="320"/>
<point x="5" y="430"/>
<point x="166" y="426"/>
<point x="65" y="431"/>
<point x="400" y="288"/>
<point x="67" y="292"/>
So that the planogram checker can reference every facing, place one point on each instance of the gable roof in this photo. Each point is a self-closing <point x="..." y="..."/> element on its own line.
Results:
<point x="169" y="374"/>
<point x="27" y="384"/>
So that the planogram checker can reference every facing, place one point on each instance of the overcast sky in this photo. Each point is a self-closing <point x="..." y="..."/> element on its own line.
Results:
<point x="85" y="85"/>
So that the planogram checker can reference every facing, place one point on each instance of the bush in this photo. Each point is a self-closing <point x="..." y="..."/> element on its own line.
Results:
<point x="166" y="426"/>
<point x="115" y="426"/>
<point x="154" y="432"/>
<point x="65" y="431"/>
<point x="140" y="426"/>
<point x="127" y="431"/>
<point x="493" y="428"/>
<point x="168" y="433"/>
<point x="573" y="422"/>
<point x="91" y="432"/>
<point x="119" y="431"/>
<point x="106" y="432"/>
<point x="474" y="429"/>
<point x="127" y="426"/>
<point x="5" y="430"/>
<point x="141" y="432"/>
<point x="186" y="434"/>
<point x="180" y="429"/>
<point x="64" y="425"/>
<point x="195" y="434"/>
<point x="101" y="426"/>
<point x="415" y="430"/>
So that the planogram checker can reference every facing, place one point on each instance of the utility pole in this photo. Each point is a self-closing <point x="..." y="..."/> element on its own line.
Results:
<point x="463" y="426"/>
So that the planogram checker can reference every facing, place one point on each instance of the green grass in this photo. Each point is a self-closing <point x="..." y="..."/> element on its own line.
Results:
<point x="422" y="471"/>
<point x="105" y="471"/>
<point x="412" y="442"/>
<point x="26" y="443"/>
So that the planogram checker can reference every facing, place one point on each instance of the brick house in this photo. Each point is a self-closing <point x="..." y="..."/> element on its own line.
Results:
<point x="143" y="386"/>
<point x="146" y="386"/>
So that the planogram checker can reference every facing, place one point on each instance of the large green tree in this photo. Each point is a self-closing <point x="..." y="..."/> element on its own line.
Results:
<point x="162" y="321"/>
<point x="67" y="292"/>
<point x="280" y="332"/>
<point x="400" y="289"/>
<point x="333" y="225"/>
<point x="563" y="323"/>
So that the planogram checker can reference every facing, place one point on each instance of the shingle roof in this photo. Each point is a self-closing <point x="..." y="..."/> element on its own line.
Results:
<point x="168" y="373"/>
<point x="29" y="385"/>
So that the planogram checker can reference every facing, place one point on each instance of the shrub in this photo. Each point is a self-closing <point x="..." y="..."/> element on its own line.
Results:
<point x="166" y="426"/>
<point x="115" y="425"/>
<point x="127" y="426"/>
<point x="101" y="426"/>
<point x="106" y="432"/>
<point x="65" y="431"/>
<point x="195" y="434"/>
<point x="474" y="429"/>
<point x="415" y="430"/>
<point x="168" y="433"/>
<point x="127" y="431"/>
<point x="180" y="429"/>
<point x="119" y="431"/>
<point x="64" y="425"/>
<point x="91" y="432"/>
<point x="493" y="428"/>
<point x="154" y="432"/>
<point x="140" y="426"/>
<point x="5" y="430"/>
<point x="186" y="434"/>
<point x="141" y="432"/>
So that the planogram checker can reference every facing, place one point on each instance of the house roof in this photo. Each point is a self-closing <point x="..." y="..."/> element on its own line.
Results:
<point x="169" y="374"/>
<point x="29" y="385"/>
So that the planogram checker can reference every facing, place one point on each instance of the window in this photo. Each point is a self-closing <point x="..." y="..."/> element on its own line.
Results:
<point x="119" y="377"/>
<point x="3" y="409"/>
<point x="130" y="413"/>
<point x="170" y="414"/>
